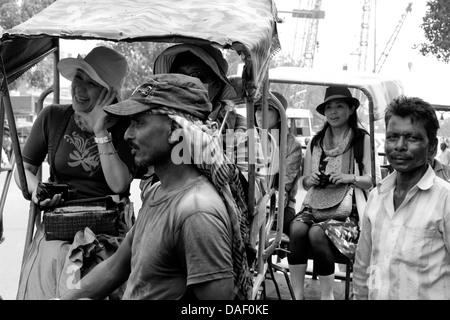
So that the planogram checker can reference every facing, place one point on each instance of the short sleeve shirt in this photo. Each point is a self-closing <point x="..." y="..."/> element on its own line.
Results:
<point x="181" y="239"/>
<point x="77" y="160"/>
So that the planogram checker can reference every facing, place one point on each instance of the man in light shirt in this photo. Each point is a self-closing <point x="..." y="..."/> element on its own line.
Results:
<point x="441" y="170"/>
<point x="404" y="247"/>
<point x="444" y="157"/>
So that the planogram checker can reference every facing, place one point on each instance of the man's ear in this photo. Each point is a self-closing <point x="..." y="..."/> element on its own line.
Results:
<point x="432" y="150"/>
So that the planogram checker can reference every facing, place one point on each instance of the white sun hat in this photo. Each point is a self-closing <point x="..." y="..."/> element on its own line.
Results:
<point x="104" y="65"/>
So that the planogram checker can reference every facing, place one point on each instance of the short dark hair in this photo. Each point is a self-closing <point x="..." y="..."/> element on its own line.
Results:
<point x="418" y="110"/>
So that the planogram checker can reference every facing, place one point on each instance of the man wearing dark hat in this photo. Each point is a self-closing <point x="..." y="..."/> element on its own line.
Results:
<point x="186" y="242"/>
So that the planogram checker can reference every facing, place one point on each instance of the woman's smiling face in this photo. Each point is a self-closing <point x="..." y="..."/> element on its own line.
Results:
<point x="337" y="112"/>
<point x="85" y="92"/>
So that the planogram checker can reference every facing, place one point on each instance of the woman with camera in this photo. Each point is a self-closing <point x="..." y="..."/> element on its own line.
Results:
<point x="328" y="223"/>
<point x="87" y="153"/>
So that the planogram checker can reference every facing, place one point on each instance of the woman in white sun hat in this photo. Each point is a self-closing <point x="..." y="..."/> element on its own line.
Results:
<point x="86" y="149"/>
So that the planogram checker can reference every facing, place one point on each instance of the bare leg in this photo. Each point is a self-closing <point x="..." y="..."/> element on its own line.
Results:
<point x="298" y="257"/>
<point x="297" y="272"/>
<point x="326" y="287"/>
<point x="323" y="260"/>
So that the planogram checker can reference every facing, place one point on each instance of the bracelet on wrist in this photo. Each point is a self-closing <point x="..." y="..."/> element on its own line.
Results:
<point x="103" y="140"/>
<point x="107" y="153"/>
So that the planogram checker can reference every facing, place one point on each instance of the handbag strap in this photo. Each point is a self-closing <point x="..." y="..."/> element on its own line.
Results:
<point x="360" y="171"/>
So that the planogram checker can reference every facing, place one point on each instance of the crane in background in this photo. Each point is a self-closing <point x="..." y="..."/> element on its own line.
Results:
<point x="310" y="13"/>
<point x="311" y="36"/>
<point x="310" y="16"/>
<point x="387" y="49"/>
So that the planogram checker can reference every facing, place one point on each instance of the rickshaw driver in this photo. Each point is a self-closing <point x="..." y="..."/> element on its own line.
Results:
<point x="165" y="256"/>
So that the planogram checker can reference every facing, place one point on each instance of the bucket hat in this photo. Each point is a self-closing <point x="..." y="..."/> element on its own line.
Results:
<point x="210" y="55"/>
<point x="104" y="65"/>
<point x="335" y="92"/>
<point x="176" y="91"/>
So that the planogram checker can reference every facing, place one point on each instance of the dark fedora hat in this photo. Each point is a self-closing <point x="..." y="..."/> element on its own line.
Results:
<point x="335" y="92"/>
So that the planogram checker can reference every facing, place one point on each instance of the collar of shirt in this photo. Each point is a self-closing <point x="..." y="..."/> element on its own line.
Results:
<point x="424" y="183"/>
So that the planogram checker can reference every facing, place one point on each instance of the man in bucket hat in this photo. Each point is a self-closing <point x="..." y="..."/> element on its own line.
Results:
<point x="186" y="242"/>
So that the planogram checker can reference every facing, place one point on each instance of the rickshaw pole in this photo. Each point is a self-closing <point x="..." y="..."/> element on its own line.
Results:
<point x="4" y="92"/>
<point x="5" y="193"/>
<point x="34" y="214"/>
<point x="2" y="121"/>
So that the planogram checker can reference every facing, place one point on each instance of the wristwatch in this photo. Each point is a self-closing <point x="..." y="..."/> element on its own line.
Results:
<point x="103" y="140"/>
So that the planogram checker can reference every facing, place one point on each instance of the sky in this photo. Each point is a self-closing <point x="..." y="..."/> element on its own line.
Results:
<point x="339" y="35"/>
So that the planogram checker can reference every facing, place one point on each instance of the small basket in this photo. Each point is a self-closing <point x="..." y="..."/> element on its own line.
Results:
<point x="64" y="222"/>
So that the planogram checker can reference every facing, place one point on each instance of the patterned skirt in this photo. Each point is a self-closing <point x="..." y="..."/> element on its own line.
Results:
<point x="344" y="234"/>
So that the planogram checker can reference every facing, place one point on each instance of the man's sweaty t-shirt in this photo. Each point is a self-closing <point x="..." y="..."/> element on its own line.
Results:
<point x="178" y="240"/>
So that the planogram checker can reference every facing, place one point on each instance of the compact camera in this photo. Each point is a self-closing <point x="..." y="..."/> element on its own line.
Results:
<point x="46" y="190"/>
<point x="324" y="180"/>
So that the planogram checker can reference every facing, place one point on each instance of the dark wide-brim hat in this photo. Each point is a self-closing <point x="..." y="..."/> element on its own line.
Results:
<point x="332" y="93"/>
<point x="210" y="55"/>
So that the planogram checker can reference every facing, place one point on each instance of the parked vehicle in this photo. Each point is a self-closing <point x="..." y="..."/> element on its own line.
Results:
<point x="300" y="123"/>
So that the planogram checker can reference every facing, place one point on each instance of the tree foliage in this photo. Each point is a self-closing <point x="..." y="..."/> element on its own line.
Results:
<point x="140" y="57"/>
<point x="436" y="25"/>
<point x="31" y="7"/>
<point x="11" y="14"/>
